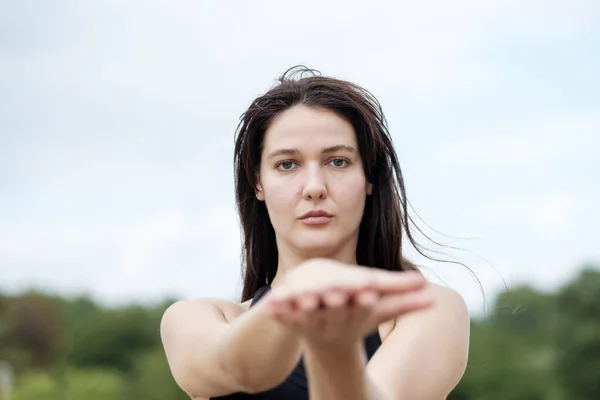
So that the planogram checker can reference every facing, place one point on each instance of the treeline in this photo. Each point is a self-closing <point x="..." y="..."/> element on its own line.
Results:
<point x="532" y="345"/>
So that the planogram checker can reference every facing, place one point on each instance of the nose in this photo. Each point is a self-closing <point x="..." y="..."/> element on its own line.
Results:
<point x="315" y="186"/>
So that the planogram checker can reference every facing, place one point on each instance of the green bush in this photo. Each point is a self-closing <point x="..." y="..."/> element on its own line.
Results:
<point x="152" y="379"/>
<point x="75" y="384"/>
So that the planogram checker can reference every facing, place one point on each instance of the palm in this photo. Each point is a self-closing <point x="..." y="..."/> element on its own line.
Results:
<point x="344" y="304"/>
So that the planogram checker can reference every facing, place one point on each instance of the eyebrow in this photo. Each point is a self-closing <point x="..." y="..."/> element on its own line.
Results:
<point x="327" y="150"/>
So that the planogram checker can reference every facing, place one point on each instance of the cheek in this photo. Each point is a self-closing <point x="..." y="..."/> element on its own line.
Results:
<point x="355" y="183"/>
<point x="279" y="200"/>
<point x="351" y="195"/>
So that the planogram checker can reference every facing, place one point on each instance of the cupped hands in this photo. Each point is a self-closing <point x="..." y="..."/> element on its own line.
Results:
<point x="333" y="304"/>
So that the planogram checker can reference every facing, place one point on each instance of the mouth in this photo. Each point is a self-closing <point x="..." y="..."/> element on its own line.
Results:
<point x="317" y="217"/>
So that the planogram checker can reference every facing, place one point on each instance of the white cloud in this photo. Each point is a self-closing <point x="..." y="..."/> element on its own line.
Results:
<point x="554" y="212"/>
<point x="552" y="139"/>
<point x="144" y="246"/>
<point x="548" y="212"/>
<point x="128" y="108"/>
<point x="130" y="251"/>
<point x="155" y="50"/>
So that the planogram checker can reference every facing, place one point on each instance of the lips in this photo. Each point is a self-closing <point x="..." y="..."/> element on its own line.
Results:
<point x="316" y="213"/>
<point x="316" y="217"/>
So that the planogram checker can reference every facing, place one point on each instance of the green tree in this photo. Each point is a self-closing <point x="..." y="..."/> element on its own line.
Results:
<point x="151" y="378"/>
<point x="578" y="337"/>
<point x="89" y="384"/>
<point x="31" y="333"/>
<point x="534" y="345"/>
<point x="113" y="338"/>
<point x="526" y="311"/>
<point x="501" y="366"/>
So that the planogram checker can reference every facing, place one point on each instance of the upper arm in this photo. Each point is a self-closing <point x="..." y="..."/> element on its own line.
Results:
<point x="191" y="331"/>
<point x="425" y="355"/>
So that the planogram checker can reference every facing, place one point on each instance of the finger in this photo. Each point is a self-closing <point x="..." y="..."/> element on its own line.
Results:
<point x="398" y="282"/>
<point x="395" y="305"/>
<point x="277" y="307"/>
<point x="307" y="301"/>
<point x="384" y="282"/>
<point x="290" y="313"/>
<point x="335" y="298"/>
<point x="366" y="298"/>
<point x="305" y="312"/>
<point x="332" y="311"/>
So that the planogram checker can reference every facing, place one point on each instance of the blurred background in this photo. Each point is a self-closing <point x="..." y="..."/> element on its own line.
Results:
<point x="117" y="122"/>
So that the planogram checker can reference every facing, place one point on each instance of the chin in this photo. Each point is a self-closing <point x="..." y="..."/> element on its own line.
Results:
<point x="315" y="248"/>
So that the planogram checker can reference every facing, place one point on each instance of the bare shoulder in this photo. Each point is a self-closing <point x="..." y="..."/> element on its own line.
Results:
<point x="191" y="331"/>
<point x="221" y="309"/>
<point x="449" y="311"/>
<point x="448" y="299"/>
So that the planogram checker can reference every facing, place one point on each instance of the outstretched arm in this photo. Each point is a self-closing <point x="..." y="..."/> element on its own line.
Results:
<point x="216" y="348"/>
<point x="424" y="357"/>
<point x="335" y="311"/>
<point x="339" y="373"/>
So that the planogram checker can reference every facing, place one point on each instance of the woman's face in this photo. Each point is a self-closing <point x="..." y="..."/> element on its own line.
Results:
<point x="310" y="163"/>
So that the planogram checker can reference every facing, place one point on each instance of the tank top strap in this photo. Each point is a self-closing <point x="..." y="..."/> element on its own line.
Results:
<point x="260" y="293"/>
<point x="372" y="343"/>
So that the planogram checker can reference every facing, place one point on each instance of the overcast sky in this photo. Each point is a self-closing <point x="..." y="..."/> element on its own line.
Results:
<point x="117" y="122"/>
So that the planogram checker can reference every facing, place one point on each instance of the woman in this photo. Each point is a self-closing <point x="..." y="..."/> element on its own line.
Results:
<point x="330" y="308"/>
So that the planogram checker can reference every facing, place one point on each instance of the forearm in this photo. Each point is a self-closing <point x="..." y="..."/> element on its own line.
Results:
<point x="257" y="351"/>
<point x="339" y="373"/>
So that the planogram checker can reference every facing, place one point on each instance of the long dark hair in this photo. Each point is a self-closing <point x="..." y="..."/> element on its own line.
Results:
<point x="385" y="222"/>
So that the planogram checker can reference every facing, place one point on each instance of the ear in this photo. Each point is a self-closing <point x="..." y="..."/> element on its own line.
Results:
<point x="369" y="189"/>
<point x="259" y="192"/>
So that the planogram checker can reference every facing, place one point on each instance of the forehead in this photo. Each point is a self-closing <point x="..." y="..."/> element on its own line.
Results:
<point x="304" y="128"/>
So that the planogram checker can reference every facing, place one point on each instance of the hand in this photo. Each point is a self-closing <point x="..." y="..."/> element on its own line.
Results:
<point x="327" y="302"/>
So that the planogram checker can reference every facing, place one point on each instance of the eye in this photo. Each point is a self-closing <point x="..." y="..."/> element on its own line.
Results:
<point x="285" y="165"/>
<point x="339" y="162"/>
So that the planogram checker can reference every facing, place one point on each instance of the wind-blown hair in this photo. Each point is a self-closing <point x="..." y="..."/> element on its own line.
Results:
<point x="385" y="223"/>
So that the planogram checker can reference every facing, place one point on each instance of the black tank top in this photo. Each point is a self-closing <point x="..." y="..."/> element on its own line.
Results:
<point x="295" y="387"/>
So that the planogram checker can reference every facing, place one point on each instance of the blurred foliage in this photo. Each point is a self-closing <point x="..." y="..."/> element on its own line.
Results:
<point x="74" y="385"/>
<point x="534" y="345"/>
<point x="537" y="345"/>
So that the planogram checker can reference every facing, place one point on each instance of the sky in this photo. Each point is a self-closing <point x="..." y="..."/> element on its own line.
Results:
<point x="117" y="123"/>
